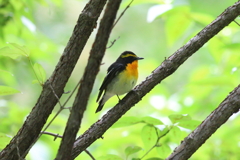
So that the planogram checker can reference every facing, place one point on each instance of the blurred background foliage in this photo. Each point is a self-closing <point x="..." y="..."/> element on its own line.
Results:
<point x="153" y="29"/>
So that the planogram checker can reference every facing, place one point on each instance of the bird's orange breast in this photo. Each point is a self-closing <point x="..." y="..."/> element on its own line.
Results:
<point x="132" y="69"/>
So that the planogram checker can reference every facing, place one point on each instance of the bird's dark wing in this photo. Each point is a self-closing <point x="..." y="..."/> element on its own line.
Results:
<point x="113" y="71"/>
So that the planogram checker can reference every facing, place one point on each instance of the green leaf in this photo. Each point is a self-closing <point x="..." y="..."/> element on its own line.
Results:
<point x="9" y="52"/>
<point x="192" y="124"/>
<point x="132" y="120"/>
<point x="4" y="139"/>
<point x="132" y="149"/>
<point x="138" y="2"/>
<point x="126" y="121"/>
<point x="14" y="51"/>
<point x="7" y="78"/>
<point x="154" y="158"/>
<point x="5" y="90"/>
<point x="232" y="46"/>
<point x="35" y="81"/>
<point x="5" y="72"/>
<point x="179" y="117"/>
<point x="163" y="132"/>
<point x="40" y="73"/>
<point x="151" y="120"/>
<point x="179" y="15"/>
<point x="175" y="134"/>
<point x="202" y="18"/>
<point x="216" y="48"/>
<point x="163" y="151"/>
<point x="23" y="50"/>
<point x="149" y="136"/>
<point x="110" y="157"/>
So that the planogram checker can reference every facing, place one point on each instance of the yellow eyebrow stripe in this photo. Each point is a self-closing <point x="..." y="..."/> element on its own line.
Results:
<point x="128" y="55"/>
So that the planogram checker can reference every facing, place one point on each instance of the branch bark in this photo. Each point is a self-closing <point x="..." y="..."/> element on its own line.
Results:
<point x="219" y="116"/>
<point x="91" y="70"/>
<point x="168" y="67"/>
<point x="29" y="133"/>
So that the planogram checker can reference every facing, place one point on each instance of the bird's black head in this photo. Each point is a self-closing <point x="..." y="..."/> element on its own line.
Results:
<point x="128" y="57"/>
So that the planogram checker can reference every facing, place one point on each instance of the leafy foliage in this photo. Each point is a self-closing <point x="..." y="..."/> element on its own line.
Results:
<point x="4" y="90"/>
<point x="132" y="149"/>
<point x="4" y="140"/>
<point x="30" y="47"/>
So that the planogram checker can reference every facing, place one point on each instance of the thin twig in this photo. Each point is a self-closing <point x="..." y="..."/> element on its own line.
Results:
<point x="61" y="108"/>
<point x="157" y="141"/>
<point x="18" y="152"/>
<point x="34" y="71"/>
<point x="58" y="112"/>
<point x="66" y="92"/>
<point x="112" y="43"/>
<point x="72" y="93"/>
<point x="52" y="134"/>
<point x="122" y="14"/>
<point x="90" y="155"/>
<point x="236" y="22"/>
<point x="55" y="95"/>
<point x="59" y="136"/>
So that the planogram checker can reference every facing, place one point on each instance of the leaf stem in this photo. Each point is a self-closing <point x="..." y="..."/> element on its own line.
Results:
<point x="157" y="141"/>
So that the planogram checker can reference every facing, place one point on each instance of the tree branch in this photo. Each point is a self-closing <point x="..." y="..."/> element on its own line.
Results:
<point x="91" y="70"/>
<point x="229" y="106"/>
<point x="168" y="67"/>
<point x="29" y="133"/>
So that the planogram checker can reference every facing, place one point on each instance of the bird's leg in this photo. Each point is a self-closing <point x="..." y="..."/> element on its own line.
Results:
<point x="118" y="98"/>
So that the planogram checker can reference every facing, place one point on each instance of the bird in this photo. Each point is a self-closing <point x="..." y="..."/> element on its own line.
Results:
<point x="121" y="77"/>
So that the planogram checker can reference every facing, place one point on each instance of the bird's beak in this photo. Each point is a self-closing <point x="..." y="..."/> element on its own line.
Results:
<point x="139" y="58"/>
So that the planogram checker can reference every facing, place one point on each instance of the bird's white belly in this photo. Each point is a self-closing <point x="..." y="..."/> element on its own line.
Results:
<point x="122" y="85"/>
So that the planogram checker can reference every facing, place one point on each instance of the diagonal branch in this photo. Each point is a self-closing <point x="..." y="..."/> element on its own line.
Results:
<point x="29" y="133"/>
<point x="219" y="116"/>
<point x="91" y="70"/>
<point x="168" y="67"/>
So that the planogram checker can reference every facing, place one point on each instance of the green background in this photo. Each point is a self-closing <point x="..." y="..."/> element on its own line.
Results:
<point x="152" y="29"/>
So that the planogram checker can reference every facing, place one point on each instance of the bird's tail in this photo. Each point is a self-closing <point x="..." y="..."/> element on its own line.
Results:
<point x="105" y="97"/>
<point x="100" y="106"/>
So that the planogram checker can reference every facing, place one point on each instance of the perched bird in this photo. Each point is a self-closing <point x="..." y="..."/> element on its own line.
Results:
<point x="121" y="77"/>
